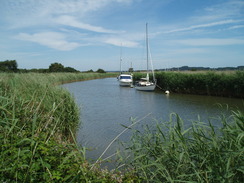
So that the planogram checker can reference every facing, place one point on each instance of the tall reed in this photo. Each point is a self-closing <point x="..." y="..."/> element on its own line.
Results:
<point x="37" y="135"/>
<point x="37" y="131"/>
<point x="202" y="83"/>
<point x="168" y="152"/>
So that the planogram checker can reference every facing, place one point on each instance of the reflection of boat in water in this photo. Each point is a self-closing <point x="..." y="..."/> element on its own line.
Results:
<point x="125" y="80"/>
<point x="144" y="84"/>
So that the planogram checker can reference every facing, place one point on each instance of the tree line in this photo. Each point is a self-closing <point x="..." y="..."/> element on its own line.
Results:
<point x="9" y="66"/>
<point x="187" y="68"/>
<point x="12" y="66"/>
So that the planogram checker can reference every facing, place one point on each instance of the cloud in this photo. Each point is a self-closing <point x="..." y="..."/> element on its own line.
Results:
<point x="50" y="39"/>
<point x="73" y="22"/>
<point x="209" y="42"/>
<point x="119" y="42"/>
<point x="35" y="13"/>
<point x="226" y="10"/>
<point x="237" y="27"/>
<point x="203" y="25"/>
<point x="220" y="14"/>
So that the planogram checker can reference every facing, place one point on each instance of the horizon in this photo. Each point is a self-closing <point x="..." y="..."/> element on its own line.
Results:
<point x="94" y="34"/>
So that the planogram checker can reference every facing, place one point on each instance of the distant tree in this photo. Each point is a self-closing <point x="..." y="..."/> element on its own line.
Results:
<point x="56" y="67"/>
<point x="131" y="69"/>
<point x="240" y="67"/>
<point x="90" y="70"/>
<point x="101" y="71"/>
<point x="23" y="70"/>
<point x="70" y="69"/>
<point x="9" y="66"/>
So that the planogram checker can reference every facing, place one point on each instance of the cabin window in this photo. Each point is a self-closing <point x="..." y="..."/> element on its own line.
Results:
<point x="125" y="77"/>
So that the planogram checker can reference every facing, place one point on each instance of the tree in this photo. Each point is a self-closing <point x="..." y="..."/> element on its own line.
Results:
<point x="90" y="70"/>
<point x="100" y="71"/>
<point x="131" y="69"/>
<point x="9" y="66"/>
<point x="56" y="67"/>
<point x="70" y="69"/>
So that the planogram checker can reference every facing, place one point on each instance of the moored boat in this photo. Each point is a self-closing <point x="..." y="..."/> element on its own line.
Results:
<point x="125" y="79"/>
<point x="144" y="84"/>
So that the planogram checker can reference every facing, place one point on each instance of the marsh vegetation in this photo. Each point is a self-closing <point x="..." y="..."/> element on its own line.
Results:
<point x="214" y="83"/>
<point x="38" y="121"/>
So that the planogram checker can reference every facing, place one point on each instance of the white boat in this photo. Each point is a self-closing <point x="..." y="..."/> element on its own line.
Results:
<point x="144" y="84"/>
<point x="124" y="79"/>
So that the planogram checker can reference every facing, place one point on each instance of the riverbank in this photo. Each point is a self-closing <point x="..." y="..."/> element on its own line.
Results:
<point x="212" y="83"/>
<point x="37" y="135"/>
<point x="38" y="122"/>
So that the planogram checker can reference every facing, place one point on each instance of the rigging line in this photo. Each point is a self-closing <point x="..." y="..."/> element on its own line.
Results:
<point x="150" y="58"/>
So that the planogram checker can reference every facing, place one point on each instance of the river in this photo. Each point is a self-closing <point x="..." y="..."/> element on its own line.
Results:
<point x="106" y="107"/>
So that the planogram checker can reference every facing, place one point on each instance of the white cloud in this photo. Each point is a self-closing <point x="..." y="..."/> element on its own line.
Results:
<point x="119" y="42"/>
<point x="209" y="42"/>
<point x="50" y="39"/>
<point x="33" y="13"/>
<point x="221" y="11"/>
<point x="237" y="27"/>
<point x="73" y="22"/>
<point x="203" y="25"/>
<point x="227" y="13"/>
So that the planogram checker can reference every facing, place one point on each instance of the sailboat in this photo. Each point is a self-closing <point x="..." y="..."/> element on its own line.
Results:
<point x="145" y="84"/>
<point x="124" y="79"/>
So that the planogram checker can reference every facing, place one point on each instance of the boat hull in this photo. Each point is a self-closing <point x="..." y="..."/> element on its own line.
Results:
<point x="146" y="88"/>
<point x="125" y="83"/>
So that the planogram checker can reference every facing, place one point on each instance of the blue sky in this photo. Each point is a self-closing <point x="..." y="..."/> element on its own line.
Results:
<point x="88" y="34"/>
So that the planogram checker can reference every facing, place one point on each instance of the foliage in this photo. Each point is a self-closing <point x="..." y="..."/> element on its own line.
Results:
<point x="131" y="69"/>
<point x="90" y="70"/>
<point x="37" y="135"/>
<point x="57" y="67"/>
<point x="100" y="71"/>
<point x="8" y="66"/>
<point x="37" y="122"/>
<point x="202" y="83"/>
<point x="170" y="153"/>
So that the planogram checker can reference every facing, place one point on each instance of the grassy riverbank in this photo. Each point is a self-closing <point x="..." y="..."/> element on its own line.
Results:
<point x="226" y="84"/>
<point x="37" y="129"/>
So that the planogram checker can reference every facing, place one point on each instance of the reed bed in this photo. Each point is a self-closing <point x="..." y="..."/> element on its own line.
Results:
<point x="214" y="83"/>
<point x="167" y="152"/>
<point x="37" y="135"/>
<point x="37" y="128"/>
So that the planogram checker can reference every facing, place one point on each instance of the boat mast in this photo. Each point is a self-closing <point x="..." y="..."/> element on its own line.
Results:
<point x="120" y="59"/>
<point x="147" y="45"/>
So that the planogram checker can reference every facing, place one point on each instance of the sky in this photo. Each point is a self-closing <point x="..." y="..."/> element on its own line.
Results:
<point x="94" y="34"/>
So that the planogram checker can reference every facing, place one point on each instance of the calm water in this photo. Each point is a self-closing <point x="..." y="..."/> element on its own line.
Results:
<point x="105" y="106"/>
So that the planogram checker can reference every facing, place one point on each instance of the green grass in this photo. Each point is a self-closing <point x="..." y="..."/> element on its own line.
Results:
<point x="167" y="152"/>
<point x="38" y="120"/>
